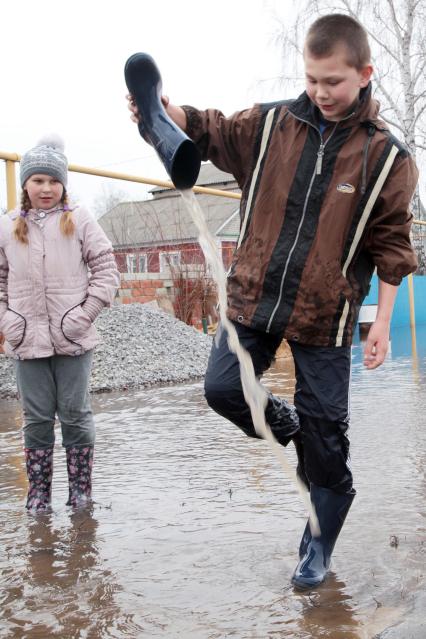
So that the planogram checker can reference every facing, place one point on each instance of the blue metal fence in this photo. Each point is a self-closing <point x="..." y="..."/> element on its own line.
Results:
<point x="401" y="313"/>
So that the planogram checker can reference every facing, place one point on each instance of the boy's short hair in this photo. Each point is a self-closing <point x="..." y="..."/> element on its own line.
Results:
<point x="333" y="29"/>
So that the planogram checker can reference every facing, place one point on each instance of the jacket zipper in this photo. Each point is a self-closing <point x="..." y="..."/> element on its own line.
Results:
<point x="320" y="156"/>
<point x="40" y="226"/>
<point x="317" y="171"/>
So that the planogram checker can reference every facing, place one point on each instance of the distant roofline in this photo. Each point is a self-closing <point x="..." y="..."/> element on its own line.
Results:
<point x="226" y="222"/>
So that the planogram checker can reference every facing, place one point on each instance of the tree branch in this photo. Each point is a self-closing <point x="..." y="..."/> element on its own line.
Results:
<point x="398" y="28"/>
<point x="419" y="113"/>
<point x="419" y="70"/>
<point x="392" y="123"/>
<point x="390" y="100"/>
<point x="384" y="46"/>
<point x="419" y="96"/>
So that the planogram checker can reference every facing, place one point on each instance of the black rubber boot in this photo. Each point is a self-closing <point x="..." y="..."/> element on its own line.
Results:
<point x="331" y="509"/>
<point x="179" y="154"/>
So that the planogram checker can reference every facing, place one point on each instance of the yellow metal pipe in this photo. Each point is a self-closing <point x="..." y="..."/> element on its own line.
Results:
<point x="143" y="180"/>
<point x="76" y="168"/>
<point x="411" y="299"/>
<point x="412" y="313"/>
<point x="10" y="184"/>
<point x="14" y="157"/>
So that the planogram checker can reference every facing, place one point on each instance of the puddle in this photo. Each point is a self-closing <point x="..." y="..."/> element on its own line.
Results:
<point x="195" y="528"/>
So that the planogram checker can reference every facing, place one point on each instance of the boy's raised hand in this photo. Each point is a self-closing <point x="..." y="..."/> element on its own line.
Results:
<point x="132" y="106"/>
<point x="377" y="344"/>
<point x="176" y="113"/>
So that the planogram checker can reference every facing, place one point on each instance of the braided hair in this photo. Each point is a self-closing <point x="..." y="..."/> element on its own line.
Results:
<point x="66" y="224"/>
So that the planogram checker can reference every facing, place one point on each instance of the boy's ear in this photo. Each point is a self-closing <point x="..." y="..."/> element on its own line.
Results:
<point x="365" y="75"/>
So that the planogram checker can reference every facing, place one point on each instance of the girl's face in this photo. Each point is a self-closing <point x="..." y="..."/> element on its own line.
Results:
<point x="44" y="191"/>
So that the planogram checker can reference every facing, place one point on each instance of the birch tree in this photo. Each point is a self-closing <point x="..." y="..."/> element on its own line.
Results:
<point x="108" y="197"/>
<point x="397" y="35"/>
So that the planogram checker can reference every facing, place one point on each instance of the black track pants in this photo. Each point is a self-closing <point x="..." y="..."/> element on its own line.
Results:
<point x="321" y="400"/>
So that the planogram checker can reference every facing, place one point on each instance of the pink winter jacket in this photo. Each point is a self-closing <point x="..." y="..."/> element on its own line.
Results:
<point x="53" y="288"/>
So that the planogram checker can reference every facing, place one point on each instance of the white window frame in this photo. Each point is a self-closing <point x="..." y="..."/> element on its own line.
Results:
<point x="131" y="262"/>
<point x="143" y="263"/>
<point x="168" y="258"/>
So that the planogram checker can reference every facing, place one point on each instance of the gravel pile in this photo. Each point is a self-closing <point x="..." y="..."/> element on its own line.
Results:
<point x="141" y="347"/>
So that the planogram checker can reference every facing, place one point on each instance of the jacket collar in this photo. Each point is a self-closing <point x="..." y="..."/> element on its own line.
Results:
<point x="365" y="111"/>
<point x="55" y="209"/>
<point x="35" y="212"/>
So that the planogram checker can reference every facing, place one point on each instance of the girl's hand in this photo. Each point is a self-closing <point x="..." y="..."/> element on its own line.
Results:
<point x="377" y="344"/>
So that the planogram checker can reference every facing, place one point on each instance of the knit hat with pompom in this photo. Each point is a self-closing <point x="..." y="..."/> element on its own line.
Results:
<point x="47" y="158"/>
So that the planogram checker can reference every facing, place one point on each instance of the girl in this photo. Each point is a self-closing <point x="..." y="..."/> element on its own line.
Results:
<point x="57" y="272"/>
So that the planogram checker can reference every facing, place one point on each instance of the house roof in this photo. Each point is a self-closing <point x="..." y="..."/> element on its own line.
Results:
<point x="209" y="176"/>
<point x="165" y="219"/>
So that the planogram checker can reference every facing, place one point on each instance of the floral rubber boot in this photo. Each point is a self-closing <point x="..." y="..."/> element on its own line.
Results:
<point x="79" y="467"/>
<point x="39" y="463"/>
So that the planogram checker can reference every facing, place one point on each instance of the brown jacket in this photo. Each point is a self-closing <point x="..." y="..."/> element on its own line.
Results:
<point x="319" y="212"/>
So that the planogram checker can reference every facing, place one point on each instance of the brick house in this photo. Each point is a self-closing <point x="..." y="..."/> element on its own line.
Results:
<point x="156" y="248"/>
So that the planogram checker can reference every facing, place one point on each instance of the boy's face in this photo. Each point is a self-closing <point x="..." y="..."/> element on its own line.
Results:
<point x="333" y="85"/>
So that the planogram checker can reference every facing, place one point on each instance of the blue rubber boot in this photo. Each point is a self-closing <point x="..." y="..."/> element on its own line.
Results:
<point x="331" y="509"/>
<point x="301" y="473"/>
<point x="305" y="541"/>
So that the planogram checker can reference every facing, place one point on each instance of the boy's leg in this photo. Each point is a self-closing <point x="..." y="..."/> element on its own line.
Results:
<point x="72" y="376"/>
<point x="322" y="398"/>
<point x="322" y="402"/>
<point x="37" y="392"/>
<point x="223" y="389"/>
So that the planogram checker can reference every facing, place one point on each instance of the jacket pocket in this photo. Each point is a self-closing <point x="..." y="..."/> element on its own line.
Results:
<point x="13" y="327"/>
<point x="336" y="284"/>
<point x="75" y="324"/>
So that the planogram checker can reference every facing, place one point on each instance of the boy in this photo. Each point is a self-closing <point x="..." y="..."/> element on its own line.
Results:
<point x="325" y="196"/>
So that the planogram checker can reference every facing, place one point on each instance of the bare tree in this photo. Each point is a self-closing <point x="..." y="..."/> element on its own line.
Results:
<point x="397" y="33"/>
<point x="107" y="198"/>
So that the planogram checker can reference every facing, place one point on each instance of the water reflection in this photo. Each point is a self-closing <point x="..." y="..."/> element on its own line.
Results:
<point x="195" y="529"/>
<point x="329" y="607"/>
<point x="54" y="585"/>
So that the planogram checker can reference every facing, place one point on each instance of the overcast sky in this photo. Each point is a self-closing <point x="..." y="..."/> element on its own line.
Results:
<point x="63" y="71"/>
<point x="63" y="62"/>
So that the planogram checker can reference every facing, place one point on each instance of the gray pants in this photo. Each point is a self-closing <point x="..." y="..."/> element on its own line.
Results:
<point x="51" y="386"/>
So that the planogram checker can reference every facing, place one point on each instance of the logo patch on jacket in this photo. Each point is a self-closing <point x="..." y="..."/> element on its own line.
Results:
<point x="345" y="187"/>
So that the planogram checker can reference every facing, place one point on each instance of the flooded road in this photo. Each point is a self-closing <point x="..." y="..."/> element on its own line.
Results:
<point x="195" y="528"/>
